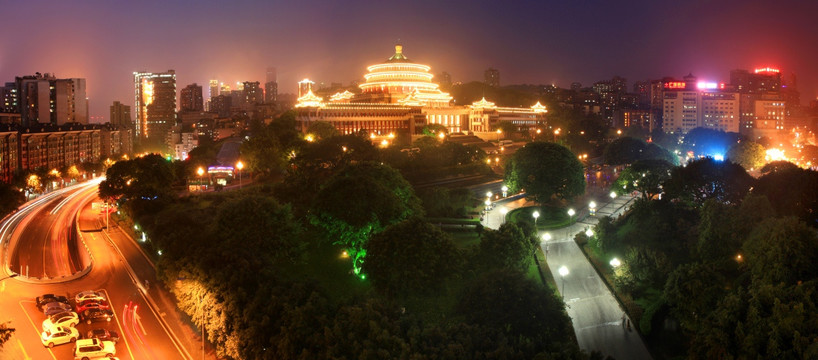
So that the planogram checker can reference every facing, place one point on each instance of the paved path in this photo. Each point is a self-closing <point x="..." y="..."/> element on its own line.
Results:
<point x="595" y="313"/>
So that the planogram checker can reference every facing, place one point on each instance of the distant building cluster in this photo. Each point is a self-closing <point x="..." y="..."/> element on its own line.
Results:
<point x="757" y="103"/>
<point x="44" y="125"/>
<point x="399" y="98"/>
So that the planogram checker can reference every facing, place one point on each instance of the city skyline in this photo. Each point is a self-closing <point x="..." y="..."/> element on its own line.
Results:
<point x="527" y="42"/>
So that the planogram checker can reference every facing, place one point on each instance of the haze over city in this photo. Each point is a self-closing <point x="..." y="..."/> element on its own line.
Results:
<point x="530" y="42"/>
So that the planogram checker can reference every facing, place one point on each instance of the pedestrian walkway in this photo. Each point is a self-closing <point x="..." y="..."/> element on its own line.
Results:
<point x="599" y="322"/>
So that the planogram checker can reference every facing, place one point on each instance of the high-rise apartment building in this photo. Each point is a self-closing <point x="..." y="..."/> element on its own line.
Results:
<point x="44" y="99"/>
<point x="689" y="104"/>
<point x="9" y="98"/>
<point x="120" y="115"/>
<point x="155" y="102"/>
<point x="271" y="86"/>
<point x="190" y="98"/>
<point x="492" y="77"/>
<point x="252" y="93"/>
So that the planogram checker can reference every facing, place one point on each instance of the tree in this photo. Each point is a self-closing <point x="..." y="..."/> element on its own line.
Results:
<point x="782" y="251"/>
<point x="360" y="201"/>
<point x="507" y="248"/>
<point x="545" y="170"/>
<point x="140" y="182"/>
<point x="322" y="130"/>
<point x="792" y="191"/>
<point x="5" y="333"/>
<point x="10" y="199"/>
<point x="434" y="130"/>
<point x="748" y="154"/>
<point x="411" y="257"/>
<point x="776" y="166"/>
<point x="506" y="300"/>
<point x="708" y="179"/>
<point x="644" y="176"/>
<point x="692" y="291"/>
<point x="625" y="150"/>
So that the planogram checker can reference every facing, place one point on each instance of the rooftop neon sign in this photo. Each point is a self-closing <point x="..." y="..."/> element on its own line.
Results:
<point x="767" y="69"/>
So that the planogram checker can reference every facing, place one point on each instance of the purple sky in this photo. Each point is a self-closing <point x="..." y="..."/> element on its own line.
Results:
<point x="554" y="41"/>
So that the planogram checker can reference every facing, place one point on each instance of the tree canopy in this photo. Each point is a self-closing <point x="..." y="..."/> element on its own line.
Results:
<point x="708" y="179"/>
<point x="507" y="248"/>
<point x="545" y="170"/>
<point x="748" y="154"/>
<point x="644" y="176"/>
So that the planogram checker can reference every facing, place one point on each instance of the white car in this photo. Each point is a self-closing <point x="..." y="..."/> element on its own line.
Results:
<point x="93" y="348"/>
<point x="65" y="319"/>
<point x="59" y="335"/>
<point x="89" y="295"/>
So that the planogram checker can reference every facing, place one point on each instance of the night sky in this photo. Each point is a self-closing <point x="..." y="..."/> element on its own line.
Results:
<point x="535" y="42"/>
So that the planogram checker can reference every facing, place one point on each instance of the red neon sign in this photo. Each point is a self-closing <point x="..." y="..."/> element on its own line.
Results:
<point x="767" y="69"/>
<point x="675" y="85"/>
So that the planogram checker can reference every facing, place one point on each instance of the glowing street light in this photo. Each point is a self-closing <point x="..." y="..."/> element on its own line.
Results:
<point x="239" y="166"/>
<point x="592" y="208"/>
<point x="536" y="215"/>
<point x="613" y="195"/>
<point x="488" y="195"/>
<point x="504" y="211"/>
<point x="589" y="233"/>
<point x="615" y="262"/>
<point x="563" y="272"/>
<point x="200" y="171"/>
<point x="505" y="190"/>
<point x="571" y="213"/>
<point x="556" y="132"/>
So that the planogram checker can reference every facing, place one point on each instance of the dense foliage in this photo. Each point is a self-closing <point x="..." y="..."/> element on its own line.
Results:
<point x="545" y="170"/>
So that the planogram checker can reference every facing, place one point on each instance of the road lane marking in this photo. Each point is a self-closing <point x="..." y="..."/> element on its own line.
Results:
<point x="111" y="306"/>
<point x="25" y="354"/>
<point x="34" y="326"/>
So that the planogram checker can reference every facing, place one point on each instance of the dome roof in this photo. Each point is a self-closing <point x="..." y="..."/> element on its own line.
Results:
<point x="398" y="57"/>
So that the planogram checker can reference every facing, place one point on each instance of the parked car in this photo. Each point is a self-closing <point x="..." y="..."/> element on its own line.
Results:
<point x="42" y="301"/>
<point x="93" y="315"/>
<point x="88" y="295"/>
<point x="86" y="349"/>
<point x="59" y="335"/>
<point x="103" y="334"/>
<point x="65" y="319"/>
<point x="56" y="308"/>
<point x="92" y="304"/>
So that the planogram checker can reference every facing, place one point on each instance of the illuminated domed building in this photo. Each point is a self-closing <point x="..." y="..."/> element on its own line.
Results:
<point x="399" y="99"/>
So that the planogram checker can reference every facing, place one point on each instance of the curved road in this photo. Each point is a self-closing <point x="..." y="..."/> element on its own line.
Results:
<point x="145" y="316"/>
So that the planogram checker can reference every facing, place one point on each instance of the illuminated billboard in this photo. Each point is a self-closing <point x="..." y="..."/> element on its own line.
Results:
<point x="675" y="85"/>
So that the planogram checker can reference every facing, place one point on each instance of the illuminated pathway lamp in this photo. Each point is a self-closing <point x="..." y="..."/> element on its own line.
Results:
<point x="504" y="211"/>
<point x="592" y="208"/>
<point x="571" y="214"/>
<point x="613" y="195"/>
<point x="200" y="171"/>
<point x="239" y="166"/>
<point x="615" y="263"/>
<point x="536" y="216"/>
<point x="589" y="233"/>
<point x="563" y="272"/>
<point x="505" y="190"/>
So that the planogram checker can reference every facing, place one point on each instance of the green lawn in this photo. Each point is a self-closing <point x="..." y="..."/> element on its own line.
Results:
<point x="551" y="217"/>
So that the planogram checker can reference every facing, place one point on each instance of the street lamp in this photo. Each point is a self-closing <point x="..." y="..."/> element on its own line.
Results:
<point x="563" y="271"/>
<point x="536" y="215"/>
<point x="571" y="215"/>
<point x="499" y="131"/>
<point x="503" y="211"/>
<point x="613" y="195"/>
<point x="200" y="171"/>
<point x="545" y="238"/>
<point x="592" y="208"/>
<point x="589" y="233"/>
<point x="556" y="132"/>
<point x="488" y="195"/>
<point x="239" y="166"/>
<point x="505" y="190"/>
<point x="615" y="262"/>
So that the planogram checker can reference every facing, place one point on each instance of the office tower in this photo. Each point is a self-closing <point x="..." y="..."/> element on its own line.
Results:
<point x="155" y="100"/>
<point x="492" y="77"/>
<point x="190" y="98"/>
<point x="214" y="89"/>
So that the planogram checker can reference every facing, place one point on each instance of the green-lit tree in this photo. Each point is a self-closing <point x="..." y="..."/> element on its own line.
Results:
<point x="507" y="248"/>
<point x="545" y="170"/>
<point x="644" y="176"/>
<point x="322" y="130"/>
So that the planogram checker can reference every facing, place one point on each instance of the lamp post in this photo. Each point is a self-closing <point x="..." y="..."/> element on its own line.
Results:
<point x="592" y="208"/>
<point x="503" y="211"/>
<point x="488" y="195"/>
<point x="589" y="233"/>
<point x="571" y="215"/>
<point x="488" y="204"/>
<point x="239" y="166"/>
<point x="556" y="132"/>
<point x="613" y="195"/>
<point x="563" y="271"/>
<point x="200" y="171"/>
<point x="615" y="263"/>
<point x="505" y="190"/>
<point x="545" y="238"/>
<point x="536" y="215"/>
<point x="499" y="131"/>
